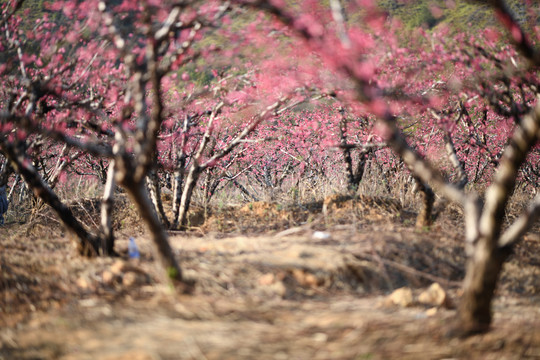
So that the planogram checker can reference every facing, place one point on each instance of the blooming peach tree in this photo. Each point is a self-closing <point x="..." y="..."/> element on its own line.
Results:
<point x="155" y="94"/>
<point x="477" y="97"/>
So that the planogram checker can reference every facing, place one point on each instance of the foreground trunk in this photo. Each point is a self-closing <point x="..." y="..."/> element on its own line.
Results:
<point x="483" y="270"/>
<point x="158" y="234"/>
<point x="486" y="260"/>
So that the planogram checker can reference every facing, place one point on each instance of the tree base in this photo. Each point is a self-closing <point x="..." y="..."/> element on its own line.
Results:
<point x="462" y="329"/>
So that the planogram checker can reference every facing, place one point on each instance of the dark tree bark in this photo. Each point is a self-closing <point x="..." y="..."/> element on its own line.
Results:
<point x="87" y="244"/>
<point x="485" y="264"/>
<point x="427" y="195"/>
<point x="158" y="234"/>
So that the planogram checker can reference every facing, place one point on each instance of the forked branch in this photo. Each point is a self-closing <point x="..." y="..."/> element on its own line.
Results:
<point x="522" y="224"/>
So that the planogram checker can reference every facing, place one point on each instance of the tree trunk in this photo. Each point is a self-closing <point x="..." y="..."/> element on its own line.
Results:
<point x="88" y="244"/>
<point x="158" y="234"/>
<point x="5" y="172"/>
<point x="483" y="270"/>
<point x="244" y="190"/>
<point x="178" y="188"/>
<point x="423" y="218"/>
<point x="107" y="202"/>
<point x="155" y="196"/>
<point x="12" y="190"/>
<point x="485" y="264"/>
<point x="191" y="182"/>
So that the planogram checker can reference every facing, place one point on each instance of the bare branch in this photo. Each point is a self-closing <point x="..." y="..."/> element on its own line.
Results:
<point x="419" y="166"/>
<point x="271" y="109"/>
<point x="524" y="138"/>
<point x="516" y="231"/>
<point x="97" y="148"/>
<point x="451" y="151"/>
<point x="61" y="164"/>
<point x="166" y="27"/>
<point x="88" y="244"/>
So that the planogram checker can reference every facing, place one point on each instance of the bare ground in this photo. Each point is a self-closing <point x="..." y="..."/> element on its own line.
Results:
<point x="271" y="283"/>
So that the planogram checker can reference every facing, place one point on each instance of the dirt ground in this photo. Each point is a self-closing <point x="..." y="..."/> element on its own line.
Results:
<point x="270" y="283"/>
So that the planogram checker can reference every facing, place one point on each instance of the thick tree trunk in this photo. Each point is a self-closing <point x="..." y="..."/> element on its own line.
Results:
<point x="483" y="269"/>
<point x="485" y="264"/>
<point x="158" y="234"/>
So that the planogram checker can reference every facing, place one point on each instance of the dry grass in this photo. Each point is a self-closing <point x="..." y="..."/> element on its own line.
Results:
<point x="265" y="285"/>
